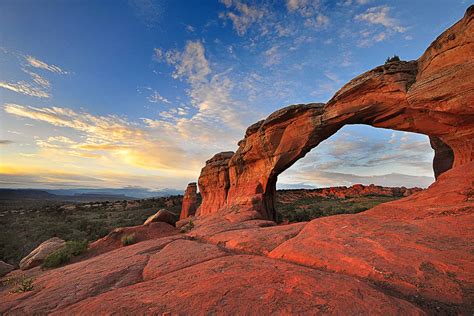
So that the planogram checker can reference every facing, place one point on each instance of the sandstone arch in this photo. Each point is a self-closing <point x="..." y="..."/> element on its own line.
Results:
<point x="432" y="95"/>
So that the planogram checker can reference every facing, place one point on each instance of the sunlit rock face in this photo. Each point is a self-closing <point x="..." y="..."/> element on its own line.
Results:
<point x="214" y="183"/>
<point x="432" y="95"/>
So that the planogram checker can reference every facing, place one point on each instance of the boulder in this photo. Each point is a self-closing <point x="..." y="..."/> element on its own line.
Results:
<point x="190" y="201"/>
<point x="5" y="268"/>
<point x="36" y="257"/>
<point x="162" y="216"/>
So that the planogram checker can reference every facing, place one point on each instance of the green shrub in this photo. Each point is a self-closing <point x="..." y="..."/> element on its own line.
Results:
<point x="393" y="58"/>
<point x="128" y="239"/>
<point x="24" y="284"/>
<point x="189" y="226"/>
<point x="64" y="254"/>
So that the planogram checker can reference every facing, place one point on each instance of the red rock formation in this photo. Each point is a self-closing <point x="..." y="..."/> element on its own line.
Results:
<point x="432" y="96"/>
<point x="214" y="183"/>
<point x="190" y="201"/>
<point x="419" y="246"/>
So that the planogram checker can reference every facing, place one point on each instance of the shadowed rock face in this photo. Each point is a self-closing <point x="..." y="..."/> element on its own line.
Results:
<point x="433" y="95"/>
<point x="189" y="201"/>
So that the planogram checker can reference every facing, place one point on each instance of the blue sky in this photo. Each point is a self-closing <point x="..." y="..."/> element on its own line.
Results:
<point x="118" y="93"/>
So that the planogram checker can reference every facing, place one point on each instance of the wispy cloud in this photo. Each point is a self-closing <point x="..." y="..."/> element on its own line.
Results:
<point x="380" y="16"/>
<point x="156" y="97"/>
<point x="37" y="85"/>
<point x="153" y="95"/>
<point x="36" y="63"/>
<point x="310" y="11"/>
<point x="25" y="88"/>
<point x="109" y="137"/>
<point x="191" y="64"/>
<point x="218" y="113"/>
<point x="272" y="56"/>
<point x="242" y="15"/>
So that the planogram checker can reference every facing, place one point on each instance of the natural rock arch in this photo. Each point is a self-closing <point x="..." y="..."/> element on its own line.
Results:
<point x="432" y="95"/>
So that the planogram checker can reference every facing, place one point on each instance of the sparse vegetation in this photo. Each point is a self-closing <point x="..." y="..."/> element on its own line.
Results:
<point x="23" y="229"/>
<point x="188" y="227"/>
<point x="65" y="254"/>
<point x="391" y="59"/>
<point x="129" y="239"/>
<point x="26" y="224"/>
<point x="23" y="284"/>
<point x="310" y="208"/>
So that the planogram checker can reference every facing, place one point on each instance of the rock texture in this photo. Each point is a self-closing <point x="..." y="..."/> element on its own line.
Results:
<point x="409" y="245"/>
<point x="190" y="201"/>
<point x="413" y="256"/>
<point x="36" y="257"/>
<point x="162" y="216"/>
<point x="5" y="268"/>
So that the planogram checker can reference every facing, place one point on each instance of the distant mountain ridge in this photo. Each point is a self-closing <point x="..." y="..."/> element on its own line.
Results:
<point x="84" y="194"/>
<point x="134" y="192"/>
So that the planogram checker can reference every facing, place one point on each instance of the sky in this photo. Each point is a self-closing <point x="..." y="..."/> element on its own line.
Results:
<point x="112" y="94"/>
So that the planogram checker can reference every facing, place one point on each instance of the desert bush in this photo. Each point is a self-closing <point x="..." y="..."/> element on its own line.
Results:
<point x="189" y="226"/>
<point x="23" y="284"/>
<point x="64" y="254"/>
<point x="128" y="239"/>
<point x="393" y="58"/>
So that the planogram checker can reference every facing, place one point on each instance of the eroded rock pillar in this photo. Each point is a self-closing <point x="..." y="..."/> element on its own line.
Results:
<point x="190" y="201"/>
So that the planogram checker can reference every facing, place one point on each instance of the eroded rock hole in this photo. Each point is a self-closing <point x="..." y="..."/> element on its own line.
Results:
<point x="356" y="169"/>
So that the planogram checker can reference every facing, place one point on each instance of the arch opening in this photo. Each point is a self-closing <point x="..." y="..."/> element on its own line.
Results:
<point x="383" y="164"/>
